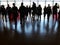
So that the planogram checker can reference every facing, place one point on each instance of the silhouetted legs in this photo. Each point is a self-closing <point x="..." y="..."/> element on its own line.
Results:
<point x="39" y="16"/>
<point x="3" y="18"/>
<point x="55" y="16"/>
<point x="44" y="16"/>
<point x="22" y="20"/>
<point x="48" y="16"/>
<point x="15" y="20"/>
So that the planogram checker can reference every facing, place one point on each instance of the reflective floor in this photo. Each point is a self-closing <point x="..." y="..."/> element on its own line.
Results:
<point x="35" y="32"/>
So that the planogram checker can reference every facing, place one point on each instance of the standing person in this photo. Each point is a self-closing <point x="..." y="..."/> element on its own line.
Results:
<point x="0" y="10"/>
<point x="8" y="12"/>
<point x="39" y="11"/>
<point x="3" y="11"/>
<point x="58" y="29"/>
<point x="29" y="10"/>
<point x="26" y="12"/>
<point x="34" y="9"/>
<point x="22" y="10"/>
<point x="22" y="13"/>
<point x="15" y="14"/>
<point x="48" y="11"/>
<point x="45" y="11"/>
<point x="55" y="7"/>
<point x="59" y="15"/>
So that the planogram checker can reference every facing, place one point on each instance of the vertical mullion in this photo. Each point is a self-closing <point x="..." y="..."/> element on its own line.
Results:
<point x="14" y="1"/>
<point x="7" y="1"/>
<point x="0" y="2"/>
<point x="30" y="2"/>
<point x="37" y="2"/>
<point x="52" y="7"/>
<point x="45" y="2"/>
<point x="22" y="0"/>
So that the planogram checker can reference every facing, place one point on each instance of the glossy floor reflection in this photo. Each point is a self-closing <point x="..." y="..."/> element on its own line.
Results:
<point x="29" y="25"/>
<point x="39" y="32"/>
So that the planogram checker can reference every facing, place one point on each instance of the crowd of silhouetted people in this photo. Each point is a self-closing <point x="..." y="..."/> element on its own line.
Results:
<point x="13" y="12"/>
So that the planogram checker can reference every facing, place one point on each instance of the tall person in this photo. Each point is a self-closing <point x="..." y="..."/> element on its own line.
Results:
<point x="15" y="14"/>
<point x="9" y="12"/>
<point x="3" y="11"/>
<point x="22" y="13"/>
<point x="48" y="11"/>
<point x="45" y="11"/>
<point x="34" y="10"/>
<point x="39" y="11"/>
<point x="55" y="7"/>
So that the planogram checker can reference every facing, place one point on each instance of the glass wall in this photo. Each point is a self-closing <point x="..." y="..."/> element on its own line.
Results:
<point x="3" y="2"/>
<point x="10" y="2"/>
<point x="29" y="2"/>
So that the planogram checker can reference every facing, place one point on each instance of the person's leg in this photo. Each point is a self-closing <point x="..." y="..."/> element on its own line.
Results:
<point x="6" y="18"/>
<point x="40" y="17"/>
<point x="3" y="18"/>
<point x="48" y="16"/>
<point x="16" y="24"/>
<point x="20" y="20"/>
<point x="44" y="16"/>
<point x="56" y="17"/>
<point x="53" y="16"/>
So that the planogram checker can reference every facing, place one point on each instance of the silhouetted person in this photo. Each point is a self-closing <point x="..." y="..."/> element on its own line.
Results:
<point x="34" y="9"/>
<point x="22" y="13"/>
<point x="48" y="11"/>
<point x="0" y="10"/>
<point x="15" y="14"/>
<point x="58" y="29"/>
<point x="26" y="11"/>
<point x="9" y="12"/>
<point x="39" y="11"/>
<point x="45" y="11"/>
<point x="3" y="11"/>
<point x="29" y="10"/>
<point x="55" y="7"/>
<point x="59" y="15"/>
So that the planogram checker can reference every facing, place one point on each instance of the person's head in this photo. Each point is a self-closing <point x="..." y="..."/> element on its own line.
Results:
<point x="22" y="4"/>
<point x="48" y="5"/>
<point x="27" y="6"/>
<point x="45" y="6"/>
<point x="2" y="6"/>
<point x="55" y="4"/>
<point x="39" y="5"/>
<point x="13" y="4"/>
<point x="34" y="3"/>
<point x="8" y="5"/>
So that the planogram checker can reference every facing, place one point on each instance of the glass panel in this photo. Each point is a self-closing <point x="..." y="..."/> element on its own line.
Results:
<point x="26" y="3"/>
<point x="26" y="0"/>
<point x="3" y="0"/>
<point x="48" y="3"/>
<point x="18" y="3"/>
<point x="4" y="3"/>
<point x="18" y="0"/>
<point x="42" y="5"/>
<point x="10" y="0"/>
<point x="41" y="0"/>
<point x="10" y="3"/>
<point x="49" y="0"/>
<point x="56" y="0"/>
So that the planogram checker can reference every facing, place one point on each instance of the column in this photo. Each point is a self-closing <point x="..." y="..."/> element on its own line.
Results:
<point x="0" y="2"/>
<point x="7" y="1"/>
<point x="14" y="1"/>
<point x="30" y="2"/>
<point x="45" y="2"/>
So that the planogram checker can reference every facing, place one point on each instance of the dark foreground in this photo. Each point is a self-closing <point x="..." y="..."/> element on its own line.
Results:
<point x="33" y="34"/>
